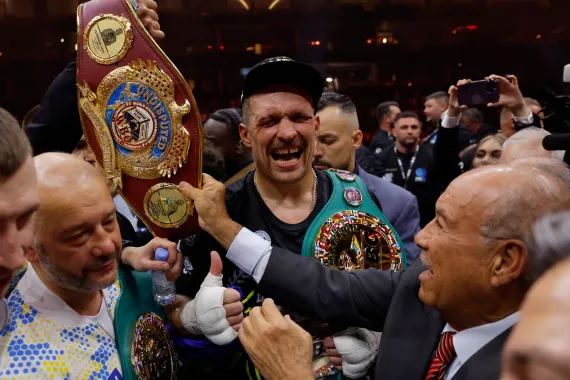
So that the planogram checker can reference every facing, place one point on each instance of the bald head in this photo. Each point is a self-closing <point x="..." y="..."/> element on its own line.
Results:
<point x="527" y="143"/>
<point x="64" y="179"/>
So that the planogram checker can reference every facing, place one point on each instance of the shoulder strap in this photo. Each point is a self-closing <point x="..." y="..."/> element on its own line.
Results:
<point x="135" y="300"/>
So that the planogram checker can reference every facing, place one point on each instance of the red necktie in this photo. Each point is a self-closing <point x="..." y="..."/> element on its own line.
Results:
<point x="443" y="357"/>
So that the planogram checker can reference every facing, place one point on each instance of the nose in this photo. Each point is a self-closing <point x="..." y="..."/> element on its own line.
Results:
<point x="421" y="238"/>
<point x="14" y="244"/>
<point x="104" y="244"/>
<point x="286" y="130"/>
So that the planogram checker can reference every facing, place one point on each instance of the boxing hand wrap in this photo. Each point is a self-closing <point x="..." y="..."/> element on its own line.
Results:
<point x="206" y="315"/>
<point x="358" y="348"/>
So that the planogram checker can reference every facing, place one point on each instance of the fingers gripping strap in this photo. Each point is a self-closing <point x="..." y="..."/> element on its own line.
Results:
<point x="358" y="348"/>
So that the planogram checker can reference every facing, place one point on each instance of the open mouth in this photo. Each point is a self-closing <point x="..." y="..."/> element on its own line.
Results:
<point x="286" y="155"/>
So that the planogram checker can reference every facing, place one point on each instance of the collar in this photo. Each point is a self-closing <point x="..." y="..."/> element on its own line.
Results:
<point x="468" y="342"/>
<point x="37" y="295"/>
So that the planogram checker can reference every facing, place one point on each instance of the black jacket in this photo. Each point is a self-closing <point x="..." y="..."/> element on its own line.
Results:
<point x="380" y="141"/>
<point x="369" y="161"/>
<point x="377" y="300"/>
<point x="57" y="127"/>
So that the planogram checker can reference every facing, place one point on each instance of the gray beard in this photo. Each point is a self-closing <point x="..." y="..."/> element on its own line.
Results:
<point x="67" y="281"/>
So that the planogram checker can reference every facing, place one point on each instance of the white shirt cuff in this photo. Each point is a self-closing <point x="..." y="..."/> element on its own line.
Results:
<point x="250" y="253"/>
<point x="450" y="122"/>
<point x="524" y="120"/>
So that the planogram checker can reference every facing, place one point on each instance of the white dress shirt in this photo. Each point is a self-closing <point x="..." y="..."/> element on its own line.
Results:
<point x="452" y="122"/>
<point x="250" y="253"/>
<point x="468" y="342"/>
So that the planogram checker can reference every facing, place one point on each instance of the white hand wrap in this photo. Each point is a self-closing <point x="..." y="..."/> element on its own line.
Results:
<point x="358" y="348"/>
<point x="206" y="315"/>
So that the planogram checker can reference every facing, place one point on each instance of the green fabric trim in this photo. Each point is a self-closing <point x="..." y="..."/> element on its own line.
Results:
<point x="136" y="299"/>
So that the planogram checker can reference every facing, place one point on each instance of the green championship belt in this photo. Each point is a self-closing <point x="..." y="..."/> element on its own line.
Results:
<point x="350" y="233"/>
<point x="143" y="341"/>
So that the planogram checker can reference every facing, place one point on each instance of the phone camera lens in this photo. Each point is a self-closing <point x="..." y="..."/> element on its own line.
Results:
<point x="491" y="86"/>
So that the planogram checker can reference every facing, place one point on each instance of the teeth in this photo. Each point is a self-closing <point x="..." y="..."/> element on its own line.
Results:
<point x="286" y="151"/>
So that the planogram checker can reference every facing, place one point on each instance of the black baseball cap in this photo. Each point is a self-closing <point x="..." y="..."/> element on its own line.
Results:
<point x="283" y="70"/>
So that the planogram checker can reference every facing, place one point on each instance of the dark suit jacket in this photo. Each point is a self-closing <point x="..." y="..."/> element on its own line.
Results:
<point x="377" y="300"/>
<point x="399" y="206"/>
<point x="369" y="161"/>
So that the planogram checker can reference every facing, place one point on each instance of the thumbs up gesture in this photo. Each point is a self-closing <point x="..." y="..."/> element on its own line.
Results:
<point x="216" y="312"/>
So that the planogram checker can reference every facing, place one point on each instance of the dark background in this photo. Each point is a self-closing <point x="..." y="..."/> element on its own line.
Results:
<point x="373" y="50"/>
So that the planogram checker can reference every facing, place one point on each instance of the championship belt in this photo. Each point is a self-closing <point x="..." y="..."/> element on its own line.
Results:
<point x="139" y="116"/>
<point x="350" y="233"/>
<point x="144" y="344"/>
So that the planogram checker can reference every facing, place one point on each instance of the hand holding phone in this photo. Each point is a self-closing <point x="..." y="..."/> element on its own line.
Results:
<point x="479" y="92"/>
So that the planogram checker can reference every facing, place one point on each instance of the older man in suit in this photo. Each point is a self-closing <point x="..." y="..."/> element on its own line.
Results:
<point x="446" y="317"/>
<point x="338" y="139"/>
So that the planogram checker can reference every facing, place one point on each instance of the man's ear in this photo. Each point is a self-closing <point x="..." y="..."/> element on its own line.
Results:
<point x="356" y="139"/>
<point x="317" y="124"/>
<point x="244" y="134"/>
<point x="509" y="262"/>
<point x="32" y="254"/>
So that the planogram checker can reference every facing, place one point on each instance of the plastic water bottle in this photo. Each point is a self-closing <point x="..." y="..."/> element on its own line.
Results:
<point x="164" y="290"/>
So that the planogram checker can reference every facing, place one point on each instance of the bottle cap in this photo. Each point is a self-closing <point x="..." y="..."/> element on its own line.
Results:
<point x="161" y="254"/>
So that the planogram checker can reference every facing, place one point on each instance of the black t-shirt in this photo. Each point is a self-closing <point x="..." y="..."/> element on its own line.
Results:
<point x="406" y="159"/>
<point x="245" y="206"/>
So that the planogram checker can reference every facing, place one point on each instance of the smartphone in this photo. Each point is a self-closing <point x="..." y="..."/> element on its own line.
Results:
<point x="479" y="92"/>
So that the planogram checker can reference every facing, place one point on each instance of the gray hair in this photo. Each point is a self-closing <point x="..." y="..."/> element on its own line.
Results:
<point x="548" y="244"/>
<point x="529" y="199"/>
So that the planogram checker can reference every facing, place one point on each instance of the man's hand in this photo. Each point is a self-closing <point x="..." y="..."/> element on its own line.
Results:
<point x="216" y="312"/>
<point x="510" y="95"/>
<point x="210" y="203"/>
<point x="142" y="258"/>
<point x="358" y="348"/>
<point x="149" y="18"/>
<point x="332" y="352"/>
<point x="279" y="347"/>
<point x="455" y="109"/>
<point x="174" y="310"/>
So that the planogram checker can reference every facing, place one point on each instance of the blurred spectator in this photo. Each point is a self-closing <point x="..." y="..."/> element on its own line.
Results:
<point x="385" y="115"/>
<point x="539" y="346"/>
<point x="528" y="143"/>
<point x="488" y="151"/>
<point x="435" y="106"/>
<point x="535" y="108"/>
<point x="409" y="164"/>
<point x="474" y="121"/>
<point x="221" y="133"/>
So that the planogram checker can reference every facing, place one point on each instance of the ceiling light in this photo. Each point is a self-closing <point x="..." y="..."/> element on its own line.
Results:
<point x="329" y="80"/>
<point x="273" y="4"/>
<point x="245" y="5"/>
